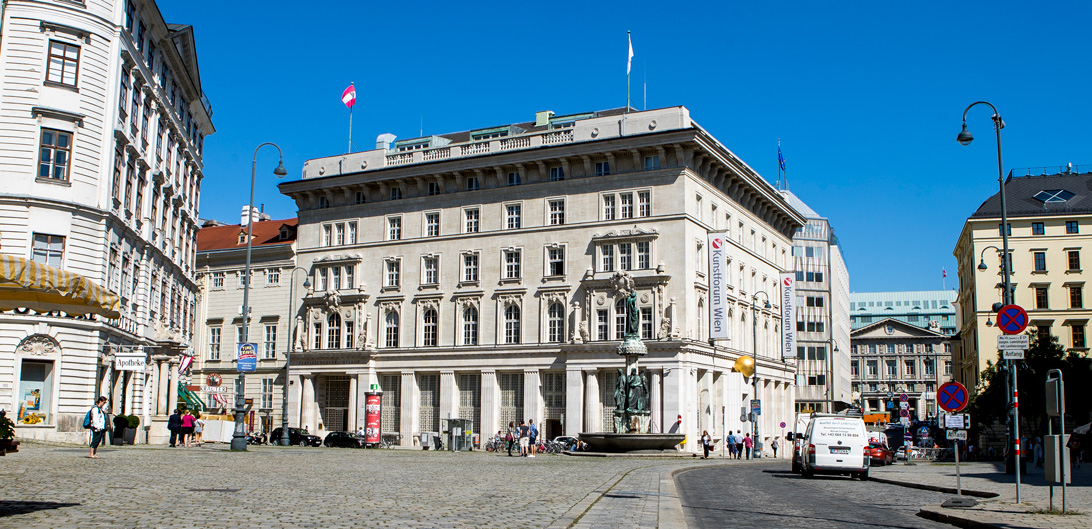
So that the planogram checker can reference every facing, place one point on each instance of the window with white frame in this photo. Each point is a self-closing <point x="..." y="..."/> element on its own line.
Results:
<point x="218" y="280"/>
<point x="644" y="255"/>
<point x="395" y="193"/>
<point x="322" y="278"/>
<point x="394" y="270"/>
<point x="557" y="174"/>
<point x="432" y="224"/>
<point x="602" y="326"/>
<point x="470" y="325"/>
<point x="317" y="335"/>
<point x="646" y="323"/>
<point x="625" y="256"/>
<point x="511" y="324"/>
<point x="339" y="234"/>
<point x="512" y="264"/>
<point x="430" y="268"/>
<point x="557" y="212"/>
<point x="48" y="250"/>
<point x="606" y="257"/>
<point x="242" y="279"/>
<point x="64" y="63"/>
<point x="555" y="256"/>
<point x="272" y="276"/>
<point x="433" y="188"/>
<point x="267" y="393"/>
<point x="514" y="179"/>
<point x="626" y="200"/>
<point x="602" y="168"/>
<point x="471" y="220"/>
<point x="335" y="278"/>
<point x="472" y="183"/>
<point x="391" y="329"/>
<point x="652" y="162"/>
<point x="644" y="204"/>
<point x="394" y="228"/>
<point x="620" y="319"/>
<point x="327" y="235"/>
<point x="512" y="214"/>
<point x="352" y="232"/>
<point x="428" y="328"/>
<point x="349" y="280"/>
<point x="608" y="207"/>
<point x="269" y="346"/>
<point x="333" y="331"/>
<point x="555" y="323"/>
<point x="214" y="342"/>
<point x="470" y="267"/>
<point x="54" y="153"/>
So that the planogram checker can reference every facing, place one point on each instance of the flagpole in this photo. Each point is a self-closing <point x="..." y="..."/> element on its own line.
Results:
<point x="628" y="67"/>
<point x="779" y="164"/>
<point x="351" y="120"/>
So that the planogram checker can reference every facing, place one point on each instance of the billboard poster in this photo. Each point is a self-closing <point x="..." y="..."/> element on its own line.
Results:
<point x="373" y="418"/>
<point x="718" y="286"/>
<point x="788" y="315"/>
<point x="246" y="360"/>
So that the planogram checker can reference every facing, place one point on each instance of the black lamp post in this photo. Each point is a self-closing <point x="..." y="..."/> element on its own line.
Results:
<point x="284" y="440"/>
<point x="754" y="355"/>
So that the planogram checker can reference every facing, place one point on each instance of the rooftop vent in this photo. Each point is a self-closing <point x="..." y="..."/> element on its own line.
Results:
<point x="384" y="141"/>
<point x="543" y="118"/>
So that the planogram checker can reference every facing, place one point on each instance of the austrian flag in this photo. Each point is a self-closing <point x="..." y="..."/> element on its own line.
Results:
<point x="349" y="96"/>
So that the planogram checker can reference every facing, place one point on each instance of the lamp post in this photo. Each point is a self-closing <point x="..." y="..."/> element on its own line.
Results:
<point x="285" y="441"/>
<point x="830" y="372"/>
<point x="754" y="356"/>
<point x="238" y="439"/>
<point x="965" y="138"/>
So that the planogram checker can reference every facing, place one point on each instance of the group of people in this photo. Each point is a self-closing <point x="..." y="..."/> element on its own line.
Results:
<point x="739" y="446"/>
<point x="185" y="428"/>
<point x="524" y="436"/>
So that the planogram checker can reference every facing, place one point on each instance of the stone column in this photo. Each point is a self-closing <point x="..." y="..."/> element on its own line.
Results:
<point x="161" y="387"/>
<point x="131" y="385"/>
<point x="449" y="393"/>
<point x="350" y="419"/>
<point x="410" y="408"/>
<point x="295" y="397"/>
<point x="172" y="385"/>
<point x="574" y="402"/>
<point x="532" y="396"/>
<point x="705" y="414"/>
<point x="593" y="408"/>
<point x="490" y="404"/>
<point x="656" y="399"/>
<point x="307" y="403"/>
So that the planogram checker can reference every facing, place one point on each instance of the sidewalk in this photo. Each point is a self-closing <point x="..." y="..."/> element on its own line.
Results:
<point x="984" y="479"/>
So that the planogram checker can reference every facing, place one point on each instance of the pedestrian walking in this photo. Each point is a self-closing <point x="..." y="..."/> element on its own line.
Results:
<point x="187" y="428"/>
<point x="773" y="445"/>
<point x="174" y="424"/>
<point x="747" y="444"/>
<point x="524" y="438"/>
<point x="511" y="436"/>
<point x="706" y="442"/>
<point x="739" y="444"/>
<point x="533" y="440"/>
<point x="96" y="422"/>
<point x="730" y="442"/>
<point x="198" y="427"/>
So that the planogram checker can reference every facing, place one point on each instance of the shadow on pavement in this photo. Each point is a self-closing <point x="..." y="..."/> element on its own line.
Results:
<point x="13" y="508"/>
<point x="796" y="519"/>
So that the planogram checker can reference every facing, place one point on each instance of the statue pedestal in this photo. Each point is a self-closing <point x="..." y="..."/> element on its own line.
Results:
<point x="632" y="421"/>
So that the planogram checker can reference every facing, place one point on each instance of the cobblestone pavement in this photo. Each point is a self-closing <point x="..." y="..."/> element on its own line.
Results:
<point x="52" y="486"/>
<point x="764" y="495"/>
<point x="1002" y="511"/>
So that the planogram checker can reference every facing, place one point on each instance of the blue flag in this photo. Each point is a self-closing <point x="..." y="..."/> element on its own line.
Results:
<point x="780" y="158"/>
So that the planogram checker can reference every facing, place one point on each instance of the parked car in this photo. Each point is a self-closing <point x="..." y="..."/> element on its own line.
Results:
<point x="880" y="454"/>
<point x="344" y="440"/>
<point x="296" y="436"/>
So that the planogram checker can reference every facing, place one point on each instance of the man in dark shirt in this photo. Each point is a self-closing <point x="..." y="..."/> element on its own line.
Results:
<point x="174" y="424"/>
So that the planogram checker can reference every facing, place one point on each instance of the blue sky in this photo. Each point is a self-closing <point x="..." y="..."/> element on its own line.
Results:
<point x="866" y="97"/>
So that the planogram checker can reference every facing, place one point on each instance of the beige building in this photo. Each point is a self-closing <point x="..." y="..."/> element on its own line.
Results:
<point x="469" y="275"/>
<point x="1050" y="224"/>
<point x="221" y="264"/>
<point x="892" y="358"/>
<point x="102" y="128"/>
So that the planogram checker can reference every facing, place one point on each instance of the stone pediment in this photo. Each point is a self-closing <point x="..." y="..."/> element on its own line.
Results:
<point x="891" y="328"/>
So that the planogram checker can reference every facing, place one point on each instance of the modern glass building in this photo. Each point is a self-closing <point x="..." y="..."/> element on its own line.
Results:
<point x="930" y="309"/>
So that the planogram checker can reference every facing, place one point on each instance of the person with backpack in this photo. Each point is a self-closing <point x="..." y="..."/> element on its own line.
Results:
<point x="532" y="443"/>
<point x="95" y="420"/>
<point x="510" y="437"/>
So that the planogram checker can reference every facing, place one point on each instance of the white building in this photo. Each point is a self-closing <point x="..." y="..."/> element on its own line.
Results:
<point x="102" y="123"/>
<point x="467" y="275"/>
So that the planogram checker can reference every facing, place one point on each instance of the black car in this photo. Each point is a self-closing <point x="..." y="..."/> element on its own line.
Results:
<point x="344" y="440"/>
<point x="296" y="436"/>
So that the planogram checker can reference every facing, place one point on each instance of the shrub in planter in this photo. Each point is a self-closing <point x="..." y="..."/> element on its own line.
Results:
<point x="7" y="434"/>
<point x="134" y="421"/>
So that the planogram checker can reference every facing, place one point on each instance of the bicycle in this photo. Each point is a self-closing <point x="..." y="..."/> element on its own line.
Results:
<point x="496" y="445"/>
<point x="390" y="440"/>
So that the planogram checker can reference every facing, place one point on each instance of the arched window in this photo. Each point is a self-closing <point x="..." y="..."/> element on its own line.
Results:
<point x="470" y="326"/>
<point x="555" y="323"/>
<point x="333" y="331"/>
<point x="430" y="328"/>
<point x="511" y="324"/>
<point x="620" y="319"/>
<point x="392" y="329"/>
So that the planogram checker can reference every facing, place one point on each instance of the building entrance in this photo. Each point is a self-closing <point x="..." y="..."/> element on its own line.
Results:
<point x="336" y="410"/>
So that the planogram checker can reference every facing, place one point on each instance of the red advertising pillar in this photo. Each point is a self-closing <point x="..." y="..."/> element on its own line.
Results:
<point x="373" y="417"/>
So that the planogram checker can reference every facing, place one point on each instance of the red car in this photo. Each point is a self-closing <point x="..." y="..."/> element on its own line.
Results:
<point x="880" y="454"/>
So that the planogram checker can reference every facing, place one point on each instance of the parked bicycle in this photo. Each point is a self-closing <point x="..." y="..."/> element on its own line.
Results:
<point x="390" y="440"/>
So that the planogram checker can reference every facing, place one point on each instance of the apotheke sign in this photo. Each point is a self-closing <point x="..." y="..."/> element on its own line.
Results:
<point x="130" y="362"/>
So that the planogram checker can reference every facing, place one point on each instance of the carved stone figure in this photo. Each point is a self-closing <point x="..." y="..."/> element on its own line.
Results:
<point x="300" y="332"/>
<point x="584" y="335"/>
<point x="620" y="391"/>
<point x="333" y="300"/>
<point x="665" y="328"/>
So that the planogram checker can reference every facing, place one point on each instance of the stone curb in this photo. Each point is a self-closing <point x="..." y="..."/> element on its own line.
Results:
<point x="930" y="513"/>
<point x="576" y="511"/>
<point x="934" y="488"/>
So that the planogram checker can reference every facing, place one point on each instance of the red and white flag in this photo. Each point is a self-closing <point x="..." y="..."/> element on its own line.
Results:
<point x="945" y="272"/>
<point x="349" y="96"/>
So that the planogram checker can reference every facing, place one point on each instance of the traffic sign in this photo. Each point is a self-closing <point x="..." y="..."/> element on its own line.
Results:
<point x="1012" y="355"/>
<point x="957" y="434"/>
<point x="952" y="396"/>
<point x="890" y="394"/>
<point x="904" y="397"/>
<point x="923" y="432"/>
<point x="1012" y="319"/>
<point x="782" y="424"/>
<point x="904" y="412"/>
<point x="1013" y="342"/>
<point x="904" y="405"/>
<point x="954" y="421"/>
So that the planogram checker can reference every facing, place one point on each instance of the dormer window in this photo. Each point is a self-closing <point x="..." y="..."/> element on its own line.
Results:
<point x="285" y="233"/>
<point x="242" y="237"/>
<point x="1053" y="196"/>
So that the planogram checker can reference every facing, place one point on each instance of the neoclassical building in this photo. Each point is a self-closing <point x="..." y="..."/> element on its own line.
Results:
<point x="102" y="128"/>
<point x="468" y="275"/>
<point x="892" y="358"/>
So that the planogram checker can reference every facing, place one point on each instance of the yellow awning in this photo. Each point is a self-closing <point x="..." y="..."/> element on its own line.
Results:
<point x="26" y="284"/>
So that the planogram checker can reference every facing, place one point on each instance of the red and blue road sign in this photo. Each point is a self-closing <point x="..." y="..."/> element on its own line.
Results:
<point x="952" y="396"/>
<point x="1012" y="319"/>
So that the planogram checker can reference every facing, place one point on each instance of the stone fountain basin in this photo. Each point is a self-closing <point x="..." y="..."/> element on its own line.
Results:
<point x="631" y="442"/>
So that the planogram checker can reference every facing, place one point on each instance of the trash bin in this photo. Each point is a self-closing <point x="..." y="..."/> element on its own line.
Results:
<point x="757" y="452"/>
<point x="426" y="440"/>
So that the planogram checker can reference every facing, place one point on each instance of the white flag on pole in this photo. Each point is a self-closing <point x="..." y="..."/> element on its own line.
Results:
<point x="629" y="61"/>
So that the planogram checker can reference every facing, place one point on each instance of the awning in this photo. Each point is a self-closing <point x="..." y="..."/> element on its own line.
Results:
<point x="30" y="285"/>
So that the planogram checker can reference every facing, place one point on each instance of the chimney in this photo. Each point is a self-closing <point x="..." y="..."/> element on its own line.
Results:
<point x="245" y="219"/>
<point x="384" y="141"/>
<point x="542" y="118"/>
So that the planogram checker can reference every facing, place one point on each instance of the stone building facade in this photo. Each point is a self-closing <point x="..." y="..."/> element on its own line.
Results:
<point x="892" y="358"/>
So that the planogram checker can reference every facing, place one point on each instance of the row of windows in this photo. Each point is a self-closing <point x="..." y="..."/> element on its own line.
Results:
<point x="1073" y="260"/>
<point x="909" y="368"/>
<point x="765" y="249"/>
<point x="1072" y="227"/>
<point x="268" y="344"/>
<point x="917" y="348"/>
<point x="1076" y="297"/>
<point x="917" y="305"/>
<point x="272" y="277"/>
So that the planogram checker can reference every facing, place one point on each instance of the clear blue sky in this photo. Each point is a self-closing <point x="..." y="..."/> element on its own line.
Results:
<point x="866" y="97"/>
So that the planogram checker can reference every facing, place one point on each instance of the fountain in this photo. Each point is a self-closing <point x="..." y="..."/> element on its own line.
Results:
<point x="632" y="415"/>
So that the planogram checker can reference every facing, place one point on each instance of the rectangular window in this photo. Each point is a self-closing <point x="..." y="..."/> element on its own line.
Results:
<point x="627" y="205"/>
<point x="1041" y="300"/>
<point x="1078" y="335"/>
<point x="1037" y="228"/>
<point x="395" y="193"/>
<point x="269" y="346"/>
<point x="908" y="368"/>
<point x="317" y="335"/>
<point x="1000" y="232"/>
<point x="352" y="233"/>
<point x="929" y="367"/>
<point x="557" y="212"/>
<point x="54" y="153"/>
<point x="327" y="235"/>
<point x="511" y="264"/>
<point x="471" y="225"/>
<point x="625" y="256"/>
<point x="267" y="393"/>
<point x="214" y="343"/>
<point x="48" y="249"/>
<point x="470" y="267"/>
<point x="1075" y="299"/>
<point x="472" y="183"/>
<point x="644" y="256"/>
<point x="557" y="261"/>
<point x="652" y="162"/>
<point x="872" y="368"/>
<point x="644" y="206"/>
<point x="947" y="367"/>
<point x="513" y="212"/>
<point x="322" y="278"/>
<point x="603" y="325"/>
<point x="514" y="179"/>
<point x="431" y="271"/>
<point x="557" y="174"/>
<point x="273" y="276"/>
<point x="217" y="280"/>
<point x="339" y="234"/>
<point x="349" y="277"/>
<point x="394" y="228"/>
<point x="64" y="62"/>
<point x="433" y="189"/>
<point x="892" y="369"/>
<point x="602" y="168"/>
<point x="394" y="269"/>
<point x="606" y="252"/>
<point x="646" y="323"/>
<point x="360" y="197"/>
<point x="1040" y="261"/>
<point x="432" y="224"/>
<point x="854" y="369"/>
<point x="1042" y="333"/>
<point x="335" y="277"/>
<point x="1071" y="227"/>
<point x="608" y="207"/>
<point x="1074" y="260"/>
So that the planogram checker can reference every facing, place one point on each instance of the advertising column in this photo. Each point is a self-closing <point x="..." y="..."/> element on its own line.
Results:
<point x="373" y="417"/>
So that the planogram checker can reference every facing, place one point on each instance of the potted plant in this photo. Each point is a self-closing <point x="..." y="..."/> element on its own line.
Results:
<point x="7" y="435"/>
<point x="121" y="422"/>
<point x="132" y="423"/>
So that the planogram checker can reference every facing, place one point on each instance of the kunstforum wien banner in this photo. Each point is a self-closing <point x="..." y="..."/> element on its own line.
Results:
<point x="788" y="315"/>
<point x="718" y="286"/>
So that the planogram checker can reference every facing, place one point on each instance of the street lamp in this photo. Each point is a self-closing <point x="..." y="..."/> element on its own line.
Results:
<point x="238" y="439"/>
<point x="285" y="441"/>
<point x="965" y="138"/>
<point x="754" y="355"/>
<point x="830" y="373"/>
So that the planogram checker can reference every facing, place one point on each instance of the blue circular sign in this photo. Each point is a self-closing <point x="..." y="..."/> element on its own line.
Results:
<point x="952" y="396"/>
<point x="1012" y="319"/>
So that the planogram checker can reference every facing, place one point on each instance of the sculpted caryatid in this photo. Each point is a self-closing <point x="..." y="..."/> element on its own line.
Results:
<point x="638" y="392"/>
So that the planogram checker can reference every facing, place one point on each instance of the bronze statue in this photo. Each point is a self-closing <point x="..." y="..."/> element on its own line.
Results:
<point x="620" y="391"/>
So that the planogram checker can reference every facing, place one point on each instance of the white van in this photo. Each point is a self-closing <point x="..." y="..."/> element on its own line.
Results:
<point x="802" y="421"/>
<point x="835" y="444"/>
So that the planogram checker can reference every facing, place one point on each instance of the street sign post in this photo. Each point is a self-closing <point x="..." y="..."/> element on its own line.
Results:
<point x="960" y="435"/>
<point x="904" y="397"/>
<point x="1012" y="319"/>
<point x="952" y="396"/>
